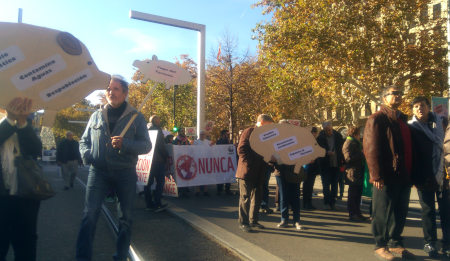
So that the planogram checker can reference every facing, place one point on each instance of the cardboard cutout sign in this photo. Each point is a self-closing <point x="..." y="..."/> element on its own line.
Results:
<point x="162" y="71"/>
<point x="51" y="67"/>
<point x="289" y="144"/>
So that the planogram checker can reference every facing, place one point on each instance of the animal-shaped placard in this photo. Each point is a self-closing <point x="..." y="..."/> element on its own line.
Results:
<point x="162" y="71"/>
<point x="49" y="66"/>
<point x="289" y="144"/>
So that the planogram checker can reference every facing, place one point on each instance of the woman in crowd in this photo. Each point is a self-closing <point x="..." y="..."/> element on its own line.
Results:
<point x="18" y="216"/>
<point x="354" y="163"/>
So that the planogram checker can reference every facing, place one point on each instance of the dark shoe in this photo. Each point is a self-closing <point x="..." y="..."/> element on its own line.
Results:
<point x="66" y="188"/>
<point x="384" y="254"/>
<point x="339" y="198"/>
<point x="283" y="224"/>
<point x="245" y="228"/>
<point x="257" y="225"/>
<point x="160" y="208"/>
<point x="446" y="251"/>
<point x="308" y="206"/>
<point x="229" y="193"/>
<point x="431" y="250"/>
<point x="402" y="252"/>
<point x="363" y="218"/>
<point x="298" y="226"/>
<point x="356" y="218"/>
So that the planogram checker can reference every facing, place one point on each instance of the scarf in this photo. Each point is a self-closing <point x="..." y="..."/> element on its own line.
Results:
<point x="436" y="135"/>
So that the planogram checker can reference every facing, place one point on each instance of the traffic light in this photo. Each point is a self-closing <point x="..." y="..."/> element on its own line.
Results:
<point x="175" y="129"/>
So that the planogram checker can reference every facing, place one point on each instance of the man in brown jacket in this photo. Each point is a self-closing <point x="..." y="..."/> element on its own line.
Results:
<point x="388" y="150"/>
<point x="250" y="173"/>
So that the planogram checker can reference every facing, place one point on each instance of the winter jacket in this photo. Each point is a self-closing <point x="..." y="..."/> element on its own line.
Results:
<point x="383" y="147"/>
<point x="324" y="162"/>
<point x="96" y="147"/>
<point x="251" y="165"/>
<point x="354" y="161"/>
<point x="160" y="154"/>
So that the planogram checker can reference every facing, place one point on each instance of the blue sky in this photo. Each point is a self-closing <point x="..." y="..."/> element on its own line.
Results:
<point x="115" y="40"/>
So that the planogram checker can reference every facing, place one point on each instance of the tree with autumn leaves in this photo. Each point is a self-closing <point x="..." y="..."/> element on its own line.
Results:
<point x="338" y="55"/>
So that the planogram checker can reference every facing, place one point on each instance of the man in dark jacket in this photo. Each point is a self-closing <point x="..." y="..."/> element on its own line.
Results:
<point x="68" y="157"/>
<point x="250" y="174"/>
<point x="158" y="168"/>
<point x="332" y="142"/>
<point x="428" y="176"/>
<point x="388" y="150"/>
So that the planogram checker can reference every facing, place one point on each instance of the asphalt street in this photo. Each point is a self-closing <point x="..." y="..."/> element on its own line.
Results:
<point x="206" y="228"/>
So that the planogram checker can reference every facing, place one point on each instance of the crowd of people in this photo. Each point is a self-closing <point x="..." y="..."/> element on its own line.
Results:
<point x="392" y="153"/>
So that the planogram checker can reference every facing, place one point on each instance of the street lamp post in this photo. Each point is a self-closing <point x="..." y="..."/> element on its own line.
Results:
<point x="201" y="29"/>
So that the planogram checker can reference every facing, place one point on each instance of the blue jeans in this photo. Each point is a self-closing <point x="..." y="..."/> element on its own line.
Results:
<point x="100" y="181"/>
<point x="289" y="195"/>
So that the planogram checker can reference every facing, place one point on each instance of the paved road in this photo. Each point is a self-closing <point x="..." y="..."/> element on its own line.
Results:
<point x="156" y="236"/>
<point x="206" y="228"/>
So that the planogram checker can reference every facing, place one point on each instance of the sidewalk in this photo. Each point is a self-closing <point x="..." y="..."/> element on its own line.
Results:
<point x="328" y="235"/>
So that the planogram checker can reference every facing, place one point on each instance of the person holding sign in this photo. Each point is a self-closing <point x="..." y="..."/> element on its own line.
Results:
<point x="250" y="174"/>
<point x="18" y="216"/>
<point x="158" y="168"/>
<point x="112" y="156"/>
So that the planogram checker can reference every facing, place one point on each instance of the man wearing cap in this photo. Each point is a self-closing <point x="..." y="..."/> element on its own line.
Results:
<point x="332" y="142"/>
<point x="112" y="158"/>
<point x="388" y="149"/>
<point x="250" y="173"/>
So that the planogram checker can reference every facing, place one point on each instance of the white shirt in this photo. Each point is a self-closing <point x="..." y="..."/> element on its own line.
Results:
<point x="204" y="142"/>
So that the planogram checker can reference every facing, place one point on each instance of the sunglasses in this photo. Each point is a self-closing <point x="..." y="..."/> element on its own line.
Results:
<point x="396" y="93"/>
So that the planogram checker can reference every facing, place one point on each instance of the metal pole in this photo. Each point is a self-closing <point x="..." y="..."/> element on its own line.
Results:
<point x="201" y="29"/>
<point x="174" y="99"/>
<point x="19" y="20"/>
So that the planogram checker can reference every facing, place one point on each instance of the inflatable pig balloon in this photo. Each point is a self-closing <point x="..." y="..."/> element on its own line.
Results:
<point x="162" y="71"/>
<point x="51" y="67"/>
<point x="289" y="144"/>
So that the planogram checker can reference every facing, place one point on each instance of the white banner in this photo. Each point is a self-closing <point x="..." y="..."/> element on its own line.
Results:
<point x="204" y="165"/>
<point x="145" y="161"/>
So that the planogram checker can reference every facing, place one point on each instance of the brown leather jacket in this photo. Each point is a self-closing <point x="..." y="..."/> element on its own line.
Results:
<point x="383" y="147"/>
<point x="251" y="166"/>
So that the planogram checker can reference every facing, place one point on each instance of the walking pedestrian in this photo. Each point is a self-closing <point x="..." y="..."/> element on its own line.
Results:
<point x="112" y="159"/>
<point x="158" y="168"/>
<point x="68" y="157"/>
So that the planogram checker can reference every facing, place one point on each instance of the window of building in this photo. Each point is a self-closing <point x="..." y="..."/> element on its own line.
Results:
<point x="424" y="15"/>
<point x="437" y="11"/>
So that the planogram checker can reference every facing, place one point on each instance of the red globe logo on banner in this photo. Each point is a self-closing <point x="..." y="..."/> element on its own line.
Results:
<point x="186" y="167"/>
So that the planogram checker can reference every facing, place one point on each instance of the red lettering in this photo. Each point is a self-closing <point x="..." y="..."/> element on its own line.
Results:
<point x="216" y="164"/>
<point x="209" y="167"/>
<point x="230" y="164"/>
<point x="201" y="166"/>
<point x="222" y="165"/>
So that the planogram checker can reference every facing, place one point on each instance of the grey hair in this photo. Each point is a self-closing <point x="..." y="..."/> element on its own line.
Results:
<point x="120" y="79"/>
<point x="264" y="117"/>
<point x="326" y="124"/>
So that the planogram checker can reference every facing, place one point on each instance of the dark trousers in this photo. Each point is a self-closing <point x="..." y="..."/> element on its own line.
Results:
<point x="18" y="224"/>
<point x="354" y="200"/>
<point x="390" y="207"/>
<point x="220" y="187"/>
<point x="265" y="190"/>
<point x="289" y="195"/>
<point x="250" y="193"/>
<point x="308" y="188"/>
<point x="341" y="183"/>
<point x="330" y="183"/>
<point x="156" y="174"/>
<point x="427" y="201"/>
